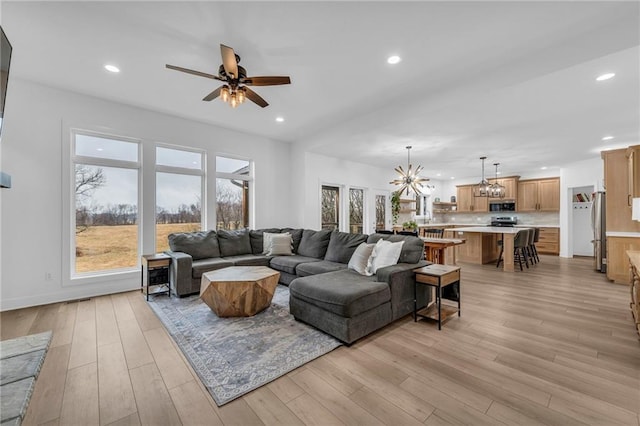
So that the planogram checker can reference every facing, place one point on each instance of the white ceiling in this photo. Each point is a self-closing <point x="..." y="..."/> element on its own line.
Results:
<point x="514" y="81"/>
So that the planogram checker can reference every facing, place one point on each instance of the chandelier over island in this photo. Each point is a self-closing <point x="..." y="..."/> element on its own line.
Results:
<point x="483" y="188"/>
<point x="496" y="190"/>
<point x="409" y="179"/>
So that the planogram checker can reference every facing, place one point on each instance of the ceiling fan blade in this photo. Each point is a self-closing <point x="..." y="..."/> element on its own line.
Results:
<point x="211" y="96"/>
<point x="255" y="98"/>
<point x="229" y="61"/>
<point x="194" y="72"/>
<point x="266" y="81"/>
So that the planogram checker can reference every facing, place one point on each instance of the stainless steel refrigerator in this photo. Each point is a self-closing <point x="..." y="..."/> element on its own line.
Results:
<point x="598" y="224"/>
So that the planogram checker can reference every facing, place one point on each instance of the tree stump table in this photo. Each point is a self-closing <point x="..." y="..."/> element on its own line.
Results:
<point x="239" y="291"/>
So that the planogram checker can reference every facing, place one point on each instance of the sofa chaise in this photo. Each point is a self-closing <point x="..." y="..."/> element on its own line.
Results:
<point x="324" y="292"/>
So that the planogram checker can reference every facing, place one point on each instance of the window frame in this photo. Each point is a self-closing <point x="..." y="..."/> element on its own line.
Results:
<point x="69" y="243"/>
<point x="234" y="176"/>
<point x="202" y="172"/>
<point x="365" y="215"/>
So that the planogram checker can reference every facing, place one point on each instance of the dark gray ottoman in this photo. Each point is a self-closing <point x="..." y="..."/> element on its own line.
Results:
<point x="343" y="303"/>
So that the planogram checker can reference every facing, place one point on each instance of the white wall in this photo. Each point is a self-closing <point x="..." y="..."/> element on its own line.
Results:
<point x="578" y="174"/>
<point x="31" y="211"/>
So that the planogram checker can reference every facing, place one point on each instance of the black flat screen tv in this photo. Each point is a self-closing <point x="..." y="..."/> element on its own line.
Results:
<point x="5" y="60"/>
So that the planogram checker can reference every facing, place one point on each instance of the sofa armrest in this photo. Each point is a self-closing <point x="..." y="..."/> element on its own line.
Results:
<point x="180" y="272"/>
<point x="401" y="281"/>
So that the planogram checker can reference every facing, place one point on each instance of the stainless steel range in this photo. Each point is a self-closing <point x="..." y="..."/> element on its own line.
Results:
<point x="504" y="220"/>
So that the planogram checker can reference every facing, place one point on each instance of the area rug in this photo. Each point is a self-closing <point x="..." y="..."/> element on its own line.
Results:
<point x="234" y="356"/>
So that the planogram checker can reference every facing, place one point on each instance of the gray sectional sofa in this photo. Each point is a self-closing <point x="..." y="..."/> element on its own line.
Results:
<point x="323" y="291"/>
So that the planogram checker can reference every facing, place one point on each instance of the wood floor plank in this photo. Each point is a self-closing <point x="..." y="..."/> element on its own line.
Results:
<point x="382" y="409"/>
<point x="135" y="346"/>
<point x="152" y="397"/>
<point x="80" y="403"/>
<point x="116" y="394"/>
<point x="64" y="324"/>
<point x="592" y="412"/>
<point x="270" y="409"/>
<point x="285" y="389"/>
<point x="510" y="416"/>
<point x="306" y="408"/>
<point x="172" y="368"/>
<point x="130" y="420"/>
<point x="239" y="413"/>
<point x="341" y="406"/>
<point x="106" y="325"/>
<point x="46" y="401"/>
<point x="327" y="370"/>
<point x="146" y="318"/>
<point x="83" y="347"/>
<point x="17" y="322"/>
<point x="193" y="406"/>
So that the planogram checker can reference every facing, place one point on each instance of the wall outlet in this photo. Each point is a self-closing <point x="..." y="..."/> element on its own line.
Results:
<point x="48" y="276"/>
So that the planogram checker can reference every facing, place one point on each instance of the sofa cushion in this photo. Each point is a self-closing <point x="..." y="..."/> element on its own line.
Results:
<point x="289" y="263"/>
<point x="249" y="260"/>
<point x="233" y="243"/>
<point x="255" y="237"/>
<point x="315" y="268"/>
<point x="345" y="293"/>
<point x="342" y="246"/>
<point x="278" y="244"/>
<point x="314" y="243"/>
<point x="296" y="236"/>
<point x="385" y="253"/>
<point x="199" y="245"/>
<point x="412" y="249"/>
<point x="199" y="267"/>
<point x="359" y="261"/>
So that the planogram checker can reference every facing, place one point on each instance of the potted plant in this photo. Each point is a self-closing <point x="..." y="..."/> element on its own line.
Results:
<point x="395" y="206"/>
<point x="410" y="226"/>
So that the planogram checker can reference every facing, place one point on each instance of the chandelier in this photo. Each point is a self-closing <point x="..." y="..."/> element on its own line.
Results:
<point x="483" y="188"/>
<point x="233" y="95"/>
<point x="409" y="179"/>
<point x="496" y="190"/>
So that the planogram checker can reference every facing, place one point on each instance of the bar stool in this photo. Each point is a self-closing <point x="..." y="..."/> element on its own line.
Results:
<point x="432" y="233"/>
<point x="520" y="243"/>
<point x="529" y="248"/>
<point x="536" y="238"/>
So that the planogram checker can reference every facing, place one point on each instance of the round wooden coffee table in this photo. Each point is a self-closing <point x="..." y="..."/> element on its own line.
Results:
<point x="239" y="291"/>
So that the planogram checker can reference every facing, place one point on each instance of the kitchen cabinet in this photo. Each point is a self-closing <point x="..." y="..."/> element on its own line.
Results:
<point x="539" y="195"/>
<point x="634" y="259"/>
<point x="617" y="259"/>
<point x="617" y="183"/>
<point x="633" y="172"/>
<point x="467" y="202"/>
<point x="548" y="241"/>
<point x="407" y="205"/>
<point x="510" y="187"/>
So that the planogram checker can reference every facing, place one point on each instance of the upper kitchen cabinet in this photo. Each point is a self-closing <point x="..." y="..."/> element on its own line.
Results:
<point x="633" y="167"/>
<point x="510" y="187"/>
<point x="467" y="202"/>
<point x="621" y="184"/>
<point x="539" y="195"/>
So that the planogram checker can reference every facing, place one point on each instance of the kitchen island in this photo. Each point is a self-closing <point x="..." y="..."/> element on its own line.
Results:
<point x="482" y="244"/>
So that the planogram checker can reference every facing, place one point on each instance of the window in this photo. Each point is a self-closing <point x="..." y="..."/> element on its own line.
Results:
<point x="179" y="189"/>
<point x="330" y="207"/>
<point x="381" y="210"/>
<point x="356" y="210"/>
<point x="233" y="180"/>
<point x="105" y="194"/>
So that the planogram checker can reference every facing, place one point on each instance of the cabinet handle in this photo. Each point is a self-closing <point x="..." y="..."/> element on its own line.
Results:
<point x="629" y="200"/>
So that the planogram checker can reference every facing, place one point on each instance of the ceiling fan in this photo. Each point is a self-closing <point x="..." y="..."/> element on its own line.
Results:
<point x="235" y="89"/>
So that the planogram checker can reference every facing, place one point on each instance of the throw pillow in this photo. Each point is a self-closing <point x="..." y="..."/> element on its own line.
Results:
<point x="280" y="245"/>
<point x="266" y="241"/>
<point x="360" y="259"/>
<point x="385" y="253"/>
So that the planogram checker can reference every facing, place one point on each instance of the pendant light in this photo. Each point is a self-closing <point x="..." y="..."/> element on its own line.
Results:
<point x="409" y="179"/>
<point x="496" y="190"/>
<point x="482" y="189"/>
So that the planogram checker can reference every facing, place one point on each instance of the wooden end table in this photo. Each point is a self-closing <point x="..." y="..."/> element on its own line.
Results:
<point x="155" y="273"/>
<point x="437" y="276"/>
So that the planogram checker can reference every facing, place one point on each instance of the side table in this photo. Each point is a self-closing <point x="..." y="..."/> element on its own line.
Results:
<point x="155" y="273"/>
<point x="437" y="276"/>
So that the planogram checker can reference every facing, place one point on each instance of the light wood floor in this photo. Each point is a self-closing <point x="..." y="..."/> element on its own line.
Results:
<point x="552" y="345"/>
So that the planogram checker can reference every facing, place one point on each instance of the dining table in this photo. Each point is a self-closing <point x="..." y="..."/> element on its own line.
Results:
<point x="435" y="248"/>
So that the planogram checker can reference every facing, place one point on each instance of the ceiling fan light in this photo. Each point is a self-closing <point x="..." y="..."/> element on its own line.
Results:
<point x="233" y="101"/>
<point x="224" y="94"/>
<point x="241" y="95"/>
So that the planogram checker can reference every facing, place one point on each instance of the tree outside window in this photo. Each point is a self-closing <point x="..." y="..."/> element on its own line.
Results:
<point x="356" y="210"/>
<point x="330" y="207"/>
<point x="232" y="193"/>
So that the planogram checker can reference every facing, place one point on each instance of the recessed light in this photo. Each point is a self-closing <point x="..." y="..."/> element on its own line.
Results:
<point x="111" y="68"/>
<point x="543" y="168"/>
<point x="393" y="59"/>
<point x="452" y="177"/>
<point x="606" y="76"/>
<point x="279" y="119"/>
<point x="439" y="174"/>
<point x="607" y="138"/>
<point x="498" y="173"/>
<point x="99" y="149"/>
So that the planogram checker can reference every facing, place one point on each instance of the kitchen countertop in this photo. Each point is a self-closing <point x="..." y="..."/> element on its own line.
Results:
<point x="623" y="234"/>
<point x="520" y="225"/>
<point x="487" y="229"/>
